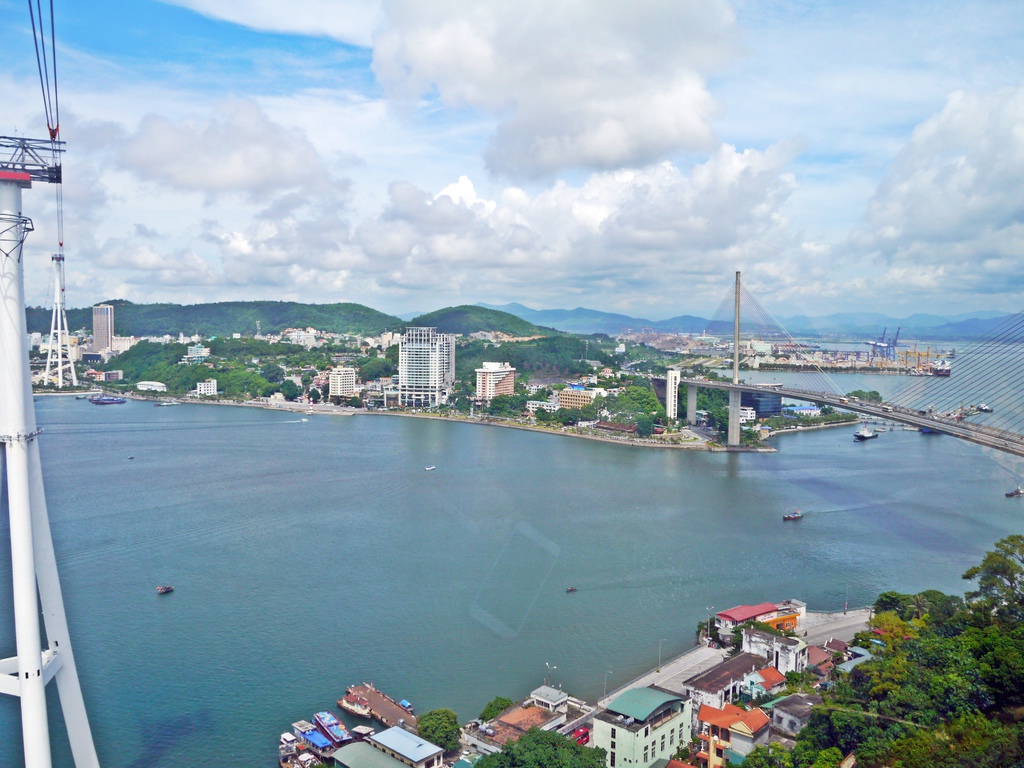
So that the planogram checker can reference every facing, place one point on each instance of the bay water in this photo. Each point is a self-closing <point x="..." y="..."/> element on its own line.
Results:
<point x="308" y="556"/>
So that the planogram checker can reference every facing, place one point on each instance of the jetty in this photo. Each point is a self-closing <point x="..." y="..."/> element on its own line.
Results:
<point x="383" y="707"/>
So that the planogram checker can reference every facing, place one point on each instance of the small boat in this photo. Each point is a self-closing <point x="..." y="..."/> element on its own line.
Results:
<point x="984" y="408"/>
<point x="106" y="400"/>
<point x="1018" y="491"/>
<point x="406" y="705"/>
<point x="329" y="725"/>
<point x="165" y="403"/>
<point x="796" y="514"/>
<point x="570" y="589"/>
<point x="355" y="705"/>
<point x="164" y="590"/>
<point x="303" y="420"/>
<point x="431" y="467"/>
<point x="80" y="397"/>
<point x="864" y="434"/>
<point x="130" y="458"/>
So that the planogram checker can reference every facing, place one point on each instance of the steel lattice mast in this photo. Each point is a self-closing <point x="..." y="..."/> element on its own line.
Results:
<point x="33" y="564"/>
<point x="58" y="352"/>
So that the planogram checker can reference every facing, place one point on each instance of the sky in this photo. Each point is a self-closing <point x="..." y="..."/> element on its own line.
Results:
<point x="627" y="157"/>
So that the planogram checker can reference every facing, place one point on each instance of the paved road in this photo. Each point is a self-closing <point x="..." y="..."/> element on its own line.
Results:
<point x="819" y="627"/>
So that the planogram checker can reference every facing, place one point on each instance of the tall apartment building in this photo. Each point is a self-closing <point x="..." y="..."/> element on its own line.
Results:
<point x="426" y="367"/>
<point x="102" y="327"/>
<point x="342" y="382"/>
<point x="495" y="379"/>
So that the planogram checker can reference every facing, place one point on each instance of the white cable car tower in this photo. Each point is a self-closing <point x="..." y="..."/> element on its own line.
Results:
<point x="58" y="352"/>
<point x="33" y="564"/>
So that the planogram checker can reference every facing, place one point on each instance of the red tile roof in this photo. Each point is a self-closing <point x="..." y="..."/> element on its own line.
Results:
<point x="816" y="655"/>
<point x="727" y="717"/>
<point x="747" y="612"/>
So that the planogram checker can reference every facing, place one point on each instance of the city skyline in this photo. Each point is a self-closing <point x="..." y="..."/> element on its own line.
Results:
<point x="628" y="160"/>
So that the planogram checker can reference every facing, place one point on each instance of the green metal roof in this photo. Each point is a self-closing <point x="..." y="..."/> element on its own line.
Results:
<point x="362" y="755"/>
<point x="641" y="703"/>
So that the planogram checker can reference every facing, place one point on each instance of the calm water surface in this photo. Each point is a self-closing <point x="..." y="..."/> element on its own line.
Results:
<point x="309" y="556"/>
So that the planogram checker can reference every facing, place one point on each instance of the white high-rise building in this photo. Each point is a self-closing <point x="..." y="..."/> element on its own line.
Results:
<point x="426" y="367"/>
<point x="342" y="382"/>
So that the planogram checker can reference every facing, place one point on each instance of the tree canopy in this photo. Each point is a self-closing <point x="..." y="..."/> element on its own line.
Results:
<point x="440" y="727"/>
<point x="544" y="749"/>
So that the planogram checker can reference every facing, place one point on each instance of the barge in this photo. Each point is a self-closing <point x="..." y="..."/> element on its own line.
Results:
<point x="381" y="706"/>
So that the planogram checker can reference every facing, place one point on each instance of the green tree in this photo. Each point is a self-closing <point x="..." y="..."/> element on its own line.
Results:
<point x="544" y="749"/>
<point x="314" y="395"/>
<point x="644" y="425"/>
<point x="1000" y="576"/>
<point x="495" y="707"/>
<point x="272" y="372"/>
<point x="440" y="727"/>
<point x="772" y="756"/>
<point x="290" y="389"/>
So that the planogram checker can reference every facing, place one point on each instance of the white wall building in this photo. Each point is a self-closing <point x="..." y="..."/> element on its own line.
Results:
<point x="208" y="387"/>
<point x="642" y="726"/>
<point x="426" y="367"/>
<point x="786" y="654"/>
<point x="495" y="379"/>
<point x="151" y="386"/>
<point x="119" y="344"/>
<point x="342" y="382"/>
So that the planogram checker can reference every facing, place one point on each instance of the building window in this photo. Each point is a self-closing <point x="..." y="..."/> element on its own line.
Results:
<point x="613" y="733"/>
<point x="612" y="760"/>
<point x="645" y="754"/>
<point x="613" y="745"/>
<point x="647" y="731"/>
<point x="671" y="738"/>
<point x="663" y="742"/>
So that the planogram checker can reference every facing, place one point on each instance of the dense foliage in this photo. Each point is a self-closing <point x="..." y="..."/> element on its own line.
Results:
<point x="945" y="686"/>
<point x="226" y="317"/>
<point x="440" y="727"/>
<point x="467" y="319"/>
<point x="557" y="356"/>
<point x="544" y="749"/>
<point x="495" y="707"/>
<point x="870" y="396"/>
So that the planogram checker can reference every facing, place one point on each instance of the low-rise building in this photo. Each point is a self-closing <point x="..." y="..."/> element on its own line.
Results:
<point x="642" y="726"/>
<point x="546" y="709"/>
<point x="408" y="748"/>
<point x="791" y="714"/>
<point x="151" y="386"/>
<point x="723" y="683"/>
<point x="729" y="619"/>
<point x="541" y="405"/>
<point x="786" y="654"/>
<point x="576" y="397"/>
<point x="729" y="733"/>
<point x="195" y="355"/>
<point x="763" y="683"/>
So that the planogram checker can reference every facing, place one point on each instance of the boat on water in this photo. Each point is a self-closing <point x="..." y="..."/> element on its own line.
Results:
<point x="80" y="397"/>
<point x="106" y="400"/>
<point x="570" y="589"/>
<point x="431" y="467"/>
<point x="355" y="705"/>
<point x="864" y="434"/>
<point x="164" y="590"/>
<point x="303" y="420"/>
<point x="165" y="403"/>
<point x="1018" y="491"/>
<point x="984" y="408"/>
<point x="796" y="514"/>
<point x="941" y="368"/>
<point x="331" y="727"/>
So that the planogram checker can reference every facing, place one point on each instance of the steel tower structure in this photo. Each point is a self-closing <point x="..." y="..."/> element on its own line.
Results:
<point x="58" y="352"/>
<point x="33" y="564"/>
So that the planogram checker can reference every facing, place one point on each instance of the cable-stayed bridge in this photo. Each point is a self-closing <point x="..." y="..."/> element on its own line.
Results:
<point x="977" y="396"/>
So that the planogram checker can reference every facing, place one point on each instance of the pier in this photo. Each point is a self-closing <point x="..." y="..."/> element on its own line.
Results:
<point x="383" y="707"/>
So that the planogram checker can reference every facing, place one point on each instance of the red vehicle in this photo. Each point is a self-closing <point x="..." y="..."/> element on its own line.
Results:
<point x="582" y="735"/>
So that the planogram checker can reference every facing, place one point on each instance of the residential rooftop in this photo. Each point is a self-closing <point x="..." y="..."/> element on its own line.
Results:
<point x="722" y="675"/>
<point x="406" y="744"/>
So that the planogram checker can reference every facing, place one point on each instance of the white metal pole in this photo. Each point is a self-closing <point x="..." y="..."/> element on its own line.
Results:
<point x="17" y="425"/>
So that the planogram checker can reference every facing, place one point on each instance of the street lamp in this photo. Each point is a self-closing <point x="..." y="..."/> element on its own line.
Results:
<point x="663" y="640"/>
<point x="606" y="684"/>
<point x="709" y="609"/>
<point x="550" y="670"/>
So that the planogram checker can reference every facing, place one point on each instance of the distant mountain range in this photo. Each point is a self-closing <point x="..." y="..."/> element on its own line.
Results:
<point x="851" y="325"/>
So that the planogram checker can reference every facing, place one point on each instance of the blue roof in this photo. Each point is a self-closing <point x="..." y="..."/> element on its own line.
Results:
<point x="406" y="744"/>
<point x="317" y="739"/>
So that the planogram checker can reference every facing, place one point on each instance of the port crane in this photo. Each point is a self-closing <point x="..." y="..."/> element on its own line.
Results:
<point x="882" y="347"/>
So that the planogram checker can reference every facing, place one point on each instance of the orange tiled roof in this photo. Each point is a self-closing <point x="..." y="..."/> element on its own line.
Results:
<point x="730" y="714"/>
<point x="771" y="677"/>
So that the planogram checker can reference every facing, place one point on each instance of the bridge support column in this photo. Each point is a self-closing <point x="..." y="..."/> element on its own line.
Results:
<point x="734" y="417"/>
<point x="691" y="404"/>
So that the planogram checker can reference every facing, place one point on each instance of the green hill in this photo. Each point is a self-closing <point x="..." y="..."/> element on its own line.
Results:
<point x="468" y="319"/>
<point x="226" y="317"/>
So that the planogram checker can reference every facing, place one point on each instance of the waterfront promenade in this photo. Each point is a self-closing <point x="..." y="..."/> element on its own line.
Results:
<point x="817" y="628"/>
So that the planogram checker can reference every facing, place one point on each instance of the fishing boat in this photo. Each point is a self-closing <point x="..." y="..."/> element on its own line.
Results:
<point x="164" y="590"/>
<point x="570" y="589"/>
<point x="355" y="705"/>
<point x="331" y="727"/>
<point x="1018" y="491"/>
<point x="431" y="467"/>
<point x="796" y="514"/>
<point x="106" y="400"/>
<point x="165" y="403"/>
<point x="864" y="434"/>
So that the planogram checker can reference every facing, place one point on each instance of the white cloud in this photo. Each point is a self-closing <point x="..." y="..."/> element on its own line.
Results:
<point x="351" y="21"/>
<point x="949" y="214"/>
<point x="574" y="84"/>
